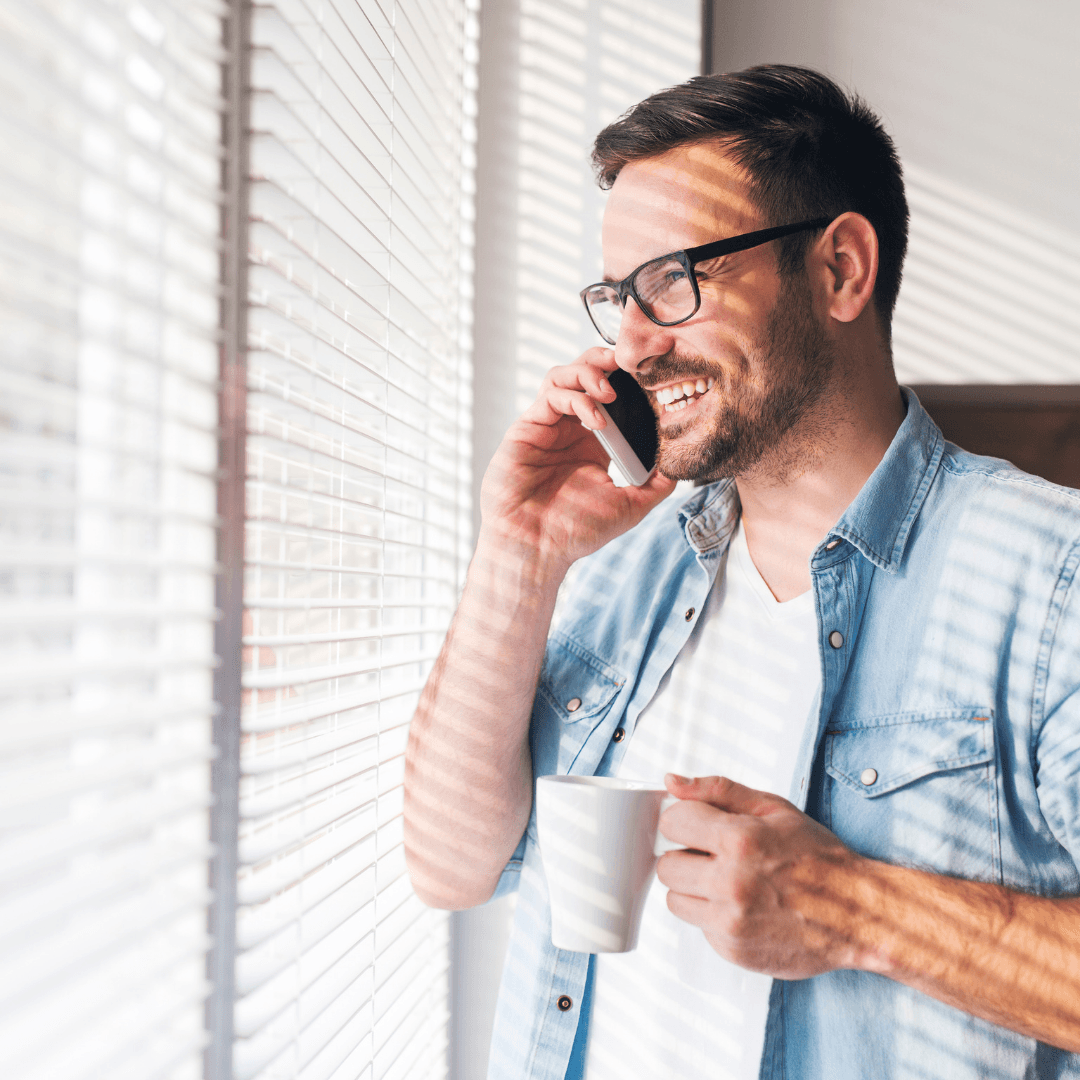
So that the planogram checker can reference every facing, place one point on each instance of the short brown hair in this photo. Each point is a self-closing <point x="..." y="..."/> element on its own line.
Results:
<point x="810" y="149"/>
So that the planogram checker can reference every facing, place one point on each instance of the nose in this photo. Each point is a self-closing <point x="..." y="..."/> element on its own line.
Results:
<point x="640" y="339"/>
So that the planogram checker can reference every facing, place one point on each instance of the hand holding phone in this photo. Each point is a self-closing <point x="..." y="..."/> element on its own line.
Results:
<point x="631" y="437"/>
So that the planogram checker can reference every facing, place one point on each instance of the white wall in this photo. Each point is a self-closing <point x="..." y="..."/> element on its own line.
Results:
<point x="982" y="99"/>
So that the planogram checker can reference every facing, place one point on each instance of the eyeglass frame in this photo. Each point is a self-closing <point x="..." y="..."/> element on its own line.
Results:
<point x="689" y="258"/>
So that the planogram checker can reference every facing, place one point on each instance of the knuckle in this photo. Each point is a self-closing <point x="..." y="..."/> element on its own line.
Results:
<point x="732" y="923"/>
<point x="744" y="844"/>
<point x="741" y="893"/>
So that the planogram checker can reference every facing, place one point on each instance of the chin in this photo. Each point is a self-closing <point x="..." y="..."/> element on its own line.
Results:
<point x="703" y="460"/>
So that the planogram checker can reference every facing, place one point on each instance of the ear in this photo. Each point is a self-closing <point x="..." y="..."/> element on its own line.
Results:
<point x="848" y="251"/>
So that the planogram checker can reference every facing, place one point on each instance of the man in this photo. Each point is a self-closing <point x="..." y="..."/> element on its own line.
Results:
<point x="852" y="613"/>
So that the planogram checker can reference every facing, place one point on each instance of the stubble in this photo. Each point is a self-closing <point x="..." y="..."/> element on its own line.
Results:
<point x="769" y="418"/>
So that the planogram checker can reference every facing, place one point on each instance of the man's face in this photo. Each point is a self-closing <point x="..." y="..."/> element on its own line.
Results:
<point x="755" y="336"/>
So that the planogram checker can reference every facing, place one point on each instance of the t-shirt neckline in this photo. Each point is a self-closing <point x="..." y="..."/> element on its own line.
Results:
<point x="739" y="555"/>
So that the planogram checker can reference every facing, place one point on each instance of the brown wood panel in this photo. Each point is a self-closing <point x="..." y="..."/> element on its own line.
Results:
<point x="1036" y="427"/>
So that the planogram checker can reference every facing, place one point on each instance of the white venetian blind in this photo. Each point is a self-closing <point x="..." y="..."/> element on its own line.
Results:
<point x="582" y="63"/>
<point x="357" y="519"/>
<point x="109" y="220"/>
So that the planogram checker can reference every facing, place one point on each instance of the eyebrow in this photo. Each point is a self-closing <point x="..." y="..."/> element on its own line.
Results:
<point x="664" y="255"/>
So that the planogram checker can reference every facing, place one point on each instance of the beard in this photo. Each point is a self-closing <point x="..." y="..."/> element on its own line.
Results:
<point x="774" y="390"/>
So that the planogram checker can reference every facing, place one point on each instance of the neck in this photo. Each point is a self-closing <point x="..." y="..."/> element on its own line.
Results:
<point x="790" y="502"/>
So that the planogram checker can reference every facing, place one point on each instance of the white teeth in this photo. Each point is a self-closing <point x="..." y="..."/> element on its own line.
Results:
<point x="677" y="397"/>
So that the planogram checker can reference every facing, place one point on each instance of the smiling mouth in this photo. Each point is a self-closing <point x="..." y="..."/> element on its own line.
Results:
<point x="677" y="397"/>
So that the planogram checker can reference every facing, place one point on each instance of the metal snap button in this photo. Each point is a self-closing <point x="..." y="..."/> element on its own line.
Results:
<point x="565" y="1003"/>
<point x="832" y="544"/>
<point x="836" y="639"/>
<point x="573" y="704"/>
<point x="868" y="776"/>
<point x="689" y="614"/>
<point x="620" y="734"/>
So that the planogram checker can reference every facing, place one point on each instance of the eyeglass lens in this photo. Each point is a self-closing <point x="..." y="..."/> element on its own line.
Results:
<point x="663" y="287"/>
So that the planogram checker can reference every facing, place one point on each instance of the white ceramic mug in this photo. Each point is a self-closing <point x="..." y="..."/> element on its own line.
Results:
<point x="599" y="843"/>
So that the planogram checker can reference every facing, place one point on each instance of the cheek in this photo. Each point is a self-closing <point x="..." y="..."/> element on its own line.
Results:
<point x="743" y="304"/>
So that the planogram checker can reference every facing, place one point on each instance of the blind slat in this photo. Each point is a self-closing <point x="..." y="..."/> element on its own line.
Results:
<point x="109" y="251"/>
<point x="357" y="502"/>
<point x="278" y="717"/>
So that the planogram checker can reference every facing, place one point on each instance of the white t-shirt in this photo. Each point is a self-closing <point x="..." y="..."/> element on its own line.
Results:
<point x="734" y="704"/>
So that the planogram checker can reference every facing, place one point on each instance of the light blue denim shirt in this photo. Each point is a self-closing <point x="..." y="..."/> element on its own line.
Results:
<point x="949" y="635"/>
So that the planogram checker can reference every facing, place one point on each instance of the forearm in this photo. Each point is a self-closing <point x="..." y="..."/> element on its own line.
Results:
<point x="468" y="777"/>
<point x="1007" y="957"/>
<point x="775" y="891"/>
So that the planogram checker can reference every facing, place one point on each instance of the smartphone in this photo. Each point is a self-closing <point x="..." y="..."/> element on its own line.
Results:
<point x="630" y="437"/>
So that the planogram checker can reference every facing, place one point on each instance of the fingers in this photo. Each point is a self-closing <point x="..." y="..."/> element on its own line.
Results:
<point x="583" y="377"/>
<point x="599" y="356"/>
<point x="687" y="872"/>
<point x="722" y="793"/>
<point x="573" y="389"/>
<point x="712" y="812"/>
<point x="691" y="909"/>
<point x="589" y="372"/>
<point x="699" y="826"/>
<point x="556" y="402"/>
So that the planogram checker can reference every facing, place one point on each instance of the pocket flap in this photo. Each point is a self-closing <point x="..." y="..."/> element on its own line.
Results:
<point x="576" y="684"/>
<point x="879" y="755"/>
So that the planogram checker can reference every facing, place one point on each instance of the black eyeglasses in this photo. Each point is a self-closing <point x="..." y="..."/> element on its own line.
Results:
<point x="666" y="288"/>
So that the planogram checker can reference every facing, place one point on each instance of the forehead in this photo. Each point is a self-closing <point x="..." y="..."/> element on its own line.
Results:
<point x="688" y="196"/>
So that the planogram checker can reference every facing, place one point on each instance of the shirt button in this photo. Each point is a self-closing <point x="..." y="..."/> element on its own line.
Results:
<point x="836" y="639"/>
<point x="831" y="545"/>
<point x="573" y="704"/>
<point x="620" y="734"/>
<point x="868" y="777"/>
<point x="565" y="1003"/>
<point x="689" y="614"/>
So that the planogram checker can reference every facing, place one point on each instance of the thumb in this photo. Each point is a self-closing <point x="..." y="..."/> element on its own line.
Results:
<point x="722" y="793"/>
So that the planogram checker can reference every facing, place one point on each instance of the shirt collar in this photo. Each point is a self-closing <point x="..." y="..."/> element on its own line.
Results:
<point x="710" y="515"/>
<point x="878" y="521"/>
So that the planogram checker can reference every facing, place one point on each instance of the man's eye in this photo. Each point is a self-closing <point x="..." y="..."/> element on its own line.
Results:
<point x="673" y="277"/>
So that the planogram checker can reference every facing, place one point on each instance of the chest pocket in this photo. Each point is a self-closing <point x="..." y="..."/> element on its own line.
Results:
<point x="574" y="696"/>
<point x="918" y="789"/>
<point x="575" y="684"/>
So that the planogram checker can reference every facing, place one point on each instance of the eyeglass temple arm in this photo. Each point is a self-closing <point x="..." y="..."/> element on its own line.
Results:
<point x="762" y="236"/>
